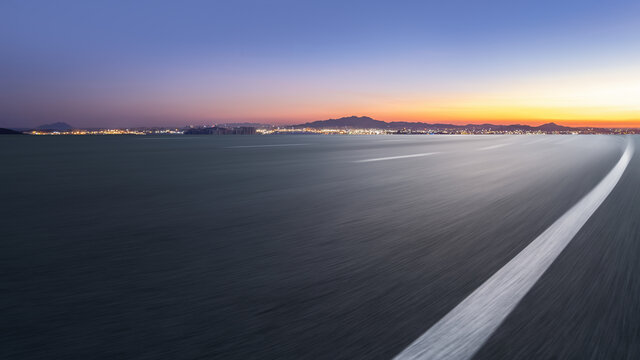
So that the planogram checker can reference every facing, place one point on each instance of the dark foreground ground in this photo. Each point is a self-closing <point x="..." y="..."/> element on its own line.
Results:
<point x="221" y="247"/>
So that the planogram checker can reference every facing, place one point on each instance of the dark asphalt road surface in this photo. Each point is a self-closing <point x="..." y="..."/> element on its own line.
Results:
<point x="229" y="247"/>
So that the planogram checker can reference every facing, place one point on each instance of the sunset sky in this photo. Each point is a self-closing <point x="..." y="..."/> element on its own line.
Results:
<point x="133" y="63"/>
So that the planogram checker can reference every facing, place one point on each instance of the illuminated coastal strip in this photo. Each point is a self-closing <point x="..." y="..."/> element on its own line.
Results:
<point x="461" y="333"/>
<point x="258" y="146"/>
<point x="395" y="157"/>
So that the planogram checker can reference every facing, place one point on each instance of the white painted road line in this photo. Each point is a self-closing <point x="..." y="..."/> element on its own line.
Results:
<point x="461" y="333"/>
<point x="396" y="157"/>
<point x="258" y="146"/>
<point x="540" y="139"/>
<point x="492" y="147"/>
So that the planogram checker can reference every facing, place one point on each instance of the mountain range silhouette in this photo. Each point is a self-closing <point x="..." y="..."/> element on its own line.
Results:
<point x="365" y="122"/>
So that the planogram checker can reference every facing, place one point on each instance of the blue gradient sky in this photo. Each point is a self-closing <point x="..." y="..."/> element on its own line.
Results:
<point x="130" y="63"/>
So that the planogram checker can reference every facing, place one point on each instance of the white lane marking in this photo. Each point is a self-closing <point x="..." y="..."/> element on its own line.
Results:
<point x="396" y="157"/>
<point x="541" y="139"/>
<point x="257" y="146"/>
<point x="567" y="138"/>
<point x="170" y="138"/>
<point x="460" y="333"/>
<point x="492" y="147"/>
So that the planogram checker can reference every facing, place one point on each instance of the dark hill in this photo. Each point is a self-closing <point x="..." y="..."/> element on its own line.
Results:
<point x="4" y="131"/>
<point x="58" y="126"/>
<point x="364" y="122"/>
<point x="553" y="127"/>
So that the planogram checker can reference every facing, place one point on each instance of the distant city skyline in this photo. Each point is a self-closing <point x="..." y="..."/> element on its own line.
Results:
<point x="175" y="63"/>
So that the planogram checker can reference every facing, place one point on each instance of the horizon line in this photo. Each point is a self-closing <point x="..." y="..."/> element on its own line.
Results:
<point x="603" y="124"/>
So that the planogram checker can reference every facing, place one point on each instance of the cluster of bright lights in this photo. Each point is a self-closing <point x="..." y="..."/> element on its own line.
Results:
<point x="90" y="132"/>
<point x="324" y="131"/>
<point x="108" y="132"/>
<point x="345" y="131"/>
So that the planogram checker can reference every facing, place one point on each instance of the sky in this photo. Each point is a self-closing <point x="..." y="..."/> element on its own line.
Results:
<point x="171" y="63"/>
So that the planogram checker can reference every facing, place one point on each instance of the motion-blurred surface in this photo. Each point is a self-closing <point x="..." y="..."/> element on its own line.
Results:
<point x="334" y="247"/>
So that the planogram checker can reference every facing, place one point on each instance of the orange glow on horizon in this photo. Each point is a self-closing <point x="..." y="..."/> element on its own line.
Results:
<point x="532" y="117"/>
<point x="596" y="98"/>
<point x="604" y="98"/>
